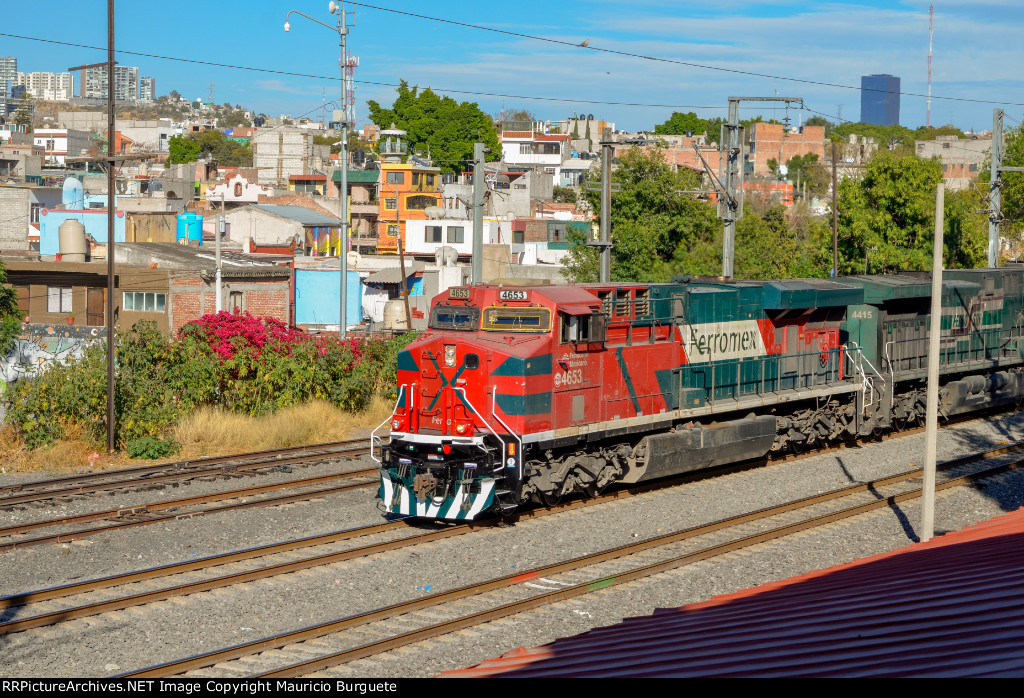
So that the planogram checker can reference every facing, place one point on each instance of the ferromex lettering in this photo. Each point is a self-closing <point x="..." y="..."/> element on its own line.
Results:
<point x="716" y="341"/>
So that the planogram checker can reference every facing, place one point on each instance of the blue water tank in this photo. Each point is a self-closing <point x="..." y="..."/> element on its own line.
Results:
<point x="190" y="229"/>
<point x="73" y="195"/>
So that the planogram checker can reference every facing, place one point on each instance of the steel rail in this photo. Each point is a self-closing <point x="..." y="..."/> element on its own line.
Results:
<point x="118" y="518"/>
<point x="23" y="599"/>
<point x="329" y="627"/>
<point x="182" y="474"/>
<point x="404" y="639"/>
<point x="180" y="465"/>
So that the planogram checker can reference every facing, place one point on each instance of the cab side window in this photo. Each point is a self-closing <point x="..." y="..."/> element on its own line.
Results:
<point x="582" y="329"/>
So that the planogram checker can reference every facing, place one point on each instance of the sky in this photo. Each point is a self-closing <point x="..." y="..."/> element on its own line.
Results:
<point x="704" y="53"/>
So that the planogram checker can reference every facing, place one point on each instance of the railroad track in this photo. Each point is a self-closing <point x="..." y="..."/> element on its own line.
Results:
<point x="154" y="475"/>
<point x="516" y="593"/>
<point x="150" y="513"/>
<point x="322" y="555"/>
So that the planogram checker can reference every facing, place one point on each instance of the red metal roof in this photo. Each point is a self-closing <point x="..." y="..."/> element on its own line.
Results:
<point x="951" y="607"/>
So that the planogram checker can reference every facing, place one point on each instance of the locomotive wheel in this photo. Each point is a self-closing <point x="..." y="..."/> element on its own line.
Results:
<point x="550" y="500"/>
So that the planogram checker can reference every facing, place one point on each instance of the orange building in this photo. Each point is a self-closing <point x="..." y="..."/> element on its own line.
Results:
<point x="406" y="190"/>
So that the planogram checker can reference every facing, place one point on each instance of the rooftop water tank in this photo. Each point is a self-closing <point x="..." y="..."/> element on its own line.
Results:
<point x="190" y="229"/>
<point x="71" y="240"/>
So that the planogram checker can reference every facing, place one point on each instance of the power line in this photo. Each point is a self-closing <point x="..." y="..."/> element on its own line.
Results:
<point x="362" y="82"/>
<point x="586" y="45"/>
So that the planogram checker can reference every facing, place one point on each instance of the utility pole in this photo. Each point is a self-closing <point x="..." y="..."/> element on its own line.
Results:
<point x="110" y="226"/>
<point x="932" y="397"/>
<point x="835" y="220"/>
<point x="478" y="213"/>
<point x="995" y="215"/>
<point x="730" y="205"/>
<point x="343" y="162"/>
<point x="221" y="224"/>
<point x="401" y="260"/>
<point x="607" y="153"/>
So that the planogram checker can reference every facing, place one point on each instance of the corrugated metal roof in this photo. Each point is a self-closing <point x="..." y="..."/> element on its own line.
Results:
<point x="951" y="607"/>
<point x="298" y="213"/>
<point x="393" y="275"/>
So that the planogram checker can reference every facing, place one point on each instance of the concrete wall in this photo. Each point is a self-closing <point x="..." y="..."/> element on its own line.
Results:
<point x="151" y="227"/>
<point x="39" y="346"/>
<point x="95" y="223"/>
<point x="14" y="218"/>
<point x="281" y="152"/>
<point x="318" y="297"/>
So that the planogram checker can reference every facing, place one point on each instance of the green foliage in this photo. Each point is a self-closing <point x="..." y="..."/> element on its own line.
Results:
<point x="1012" y="201"/>
<point x="214" y="143"/>
<point x="680" y="123"/>
<point x="887" y="136"/>
<point x="653" y="223"/>
<point x="768" y="246"/>
<point x="10" y="316"/>
<point x="161" y="380"/>
<point x="563" y="195"/>
<point x="440" y="125"/>
<point x="889" y="214"/>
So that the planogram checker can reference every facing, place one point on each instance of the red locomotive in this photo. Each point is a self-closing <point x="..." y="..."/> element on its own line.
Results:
<point x="535" y="392"/>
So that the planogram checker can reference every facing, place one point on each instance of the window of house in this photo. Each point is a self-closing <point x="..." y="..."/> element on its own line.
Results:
<point x="430" y="180"/>
<point x="144" y="302"/>
<point x="391" y="204"/>
<point x="393" y="230"/>
<point x="415" y="179"/>
<point x="396" y="178"/>
<point x="50" y="145"/>
<point x="433" y="233"/>
<point x="525" y="149"/>
<point x="518" y="237"/>
<point x="418" y="203"/>
<point x="234" y="301"/>
<point x="58" y="299"/>
<point x="34" y="210"/>
<point x="456" y="233"/>
<point x="238" y="191"/>
<point x="558" y="233"/>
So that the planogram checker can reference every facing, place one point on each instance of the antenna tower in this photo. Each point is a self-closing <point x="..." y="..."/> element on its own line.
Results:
<point x="351" y="63"/>
<point x="211" y="93"/>
<point x="928" y="118"/>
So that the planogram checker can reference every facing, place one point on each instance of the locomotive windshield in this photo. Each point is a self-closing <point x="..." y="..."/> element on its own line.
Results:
<point x="452" y="317"/>
<point x="517" y="319"/>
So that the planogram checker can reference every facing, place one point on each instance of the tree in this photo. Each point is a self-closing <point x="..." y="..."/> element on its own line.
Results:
<point x="889" y="214"/>
<point x="10" y="316"/>
<point x="563" y="195"/>
<point x="23" y="115"/>
<point x="175" y="96"/>
<point x="684" y="123"/>
<point x="214" y="144"/>
<point x="657" y="230"/>
<point x="439" y="125"/>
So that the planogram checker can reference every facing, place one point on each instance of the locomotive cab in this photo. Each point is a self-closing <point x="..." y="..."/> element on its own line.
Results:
<point x="467" y="390"/>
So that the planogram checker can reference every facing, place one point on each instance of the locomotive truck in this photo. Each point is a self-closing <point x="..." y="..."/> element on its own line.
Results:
<point x="520" y="393"/>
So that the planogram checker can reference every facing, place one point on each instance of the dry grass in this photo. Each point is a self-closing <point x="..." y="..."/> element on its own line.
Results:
<point x="211" y="432"/>
<point x="73" y="454"/>
<point x="206" y="432"/>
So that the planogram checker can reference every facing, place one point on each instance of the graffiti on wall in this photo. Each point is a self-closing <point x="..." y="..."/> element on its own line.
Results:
<point x="40" y="345"/>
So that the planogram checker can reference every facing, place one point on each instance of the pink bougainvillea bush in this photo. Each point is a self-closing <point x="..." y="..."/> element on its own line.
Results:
<point x="240" y="362"/>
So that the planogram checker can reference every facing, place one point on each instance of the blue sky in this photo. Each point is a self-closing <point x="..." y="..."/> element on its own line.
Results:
<point x="975" y="54"/>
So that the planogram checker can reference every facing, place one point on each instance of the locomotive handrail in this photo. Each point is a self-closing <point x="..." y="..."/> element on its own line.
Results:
<point x="374" y="439"/>
<point x="869" y="398"/>
<point x="494" y="402"/>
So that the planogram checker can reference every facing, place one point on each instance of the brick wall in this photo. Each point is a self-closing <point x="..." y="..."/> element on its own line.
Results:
<point x="191" y="297"/>
<point x="768" y="142"/>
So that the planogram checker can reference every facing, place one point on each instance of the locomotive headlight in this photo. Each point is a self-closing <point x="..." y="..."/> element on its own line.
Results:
<point x="395" y="424"/>
<point x="449" y="355"/>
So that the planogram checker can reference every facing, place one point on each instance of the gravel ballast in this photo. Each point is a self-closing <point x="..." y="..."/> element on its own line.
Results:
<point x="134" y="638"/>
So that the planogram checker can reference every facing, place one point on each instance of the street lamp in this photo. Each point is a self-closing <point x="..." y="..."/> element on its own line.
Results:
<point x="336" y="8"/>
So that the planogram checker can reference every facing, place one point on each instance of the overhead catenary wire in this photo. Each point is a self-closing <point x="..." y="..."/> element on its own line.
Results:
<point x="587" y="45"/>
